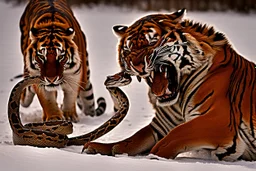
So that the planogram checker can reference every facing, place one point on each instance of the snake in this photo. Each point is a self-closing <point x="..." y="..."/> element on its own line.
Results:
<point x="54" y="133"/>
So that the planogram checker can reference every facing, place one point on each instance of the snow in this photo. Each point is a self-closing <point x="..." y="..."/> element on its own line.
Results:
<point x="97" y="24"/>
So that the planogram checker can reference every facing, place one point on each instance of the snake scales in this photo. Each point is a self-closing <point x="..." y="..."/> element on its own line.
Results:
<point x="54" y="133"/>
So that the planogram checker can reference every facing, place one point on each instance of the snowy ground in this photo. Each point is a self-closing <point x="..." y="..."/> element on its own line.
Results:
<point x="97" y="24"/>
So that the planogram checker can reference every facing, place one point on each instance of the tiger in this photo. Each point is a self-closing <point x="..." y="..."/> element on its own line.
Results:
<point x="54" y="48"/>
<point x="202" y="91"/>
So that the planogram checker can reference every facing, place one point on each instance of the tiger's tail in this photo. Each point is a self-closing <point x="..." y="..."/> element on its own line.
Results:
<point x="85" y="102"/>
<point x="102" y="105"/>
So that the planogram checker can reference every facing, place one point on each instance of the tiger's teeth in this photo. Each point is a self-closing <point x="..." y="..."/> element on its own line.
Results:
<point x="168" y="92"/>
<point x="166" y="72"/>
<point x="152" y="74"/>
<point x="160" y="68"/>
<point x="150" y="79"/>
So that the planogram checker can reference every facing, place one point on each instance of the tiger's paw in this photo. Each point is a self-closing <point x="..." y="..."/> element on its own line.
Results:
<point x="111" y="149"/>
<point x="71" y="116"/>
<point x="52" y="114"/>
<point x="98" y="148"/>
<point x="53" y="117"/>
<point x="163" y="150"/>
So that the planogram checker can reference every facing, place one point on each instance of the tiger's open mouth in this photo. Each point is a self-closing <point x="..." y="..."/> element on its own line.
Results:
<point x="171" y="93"/>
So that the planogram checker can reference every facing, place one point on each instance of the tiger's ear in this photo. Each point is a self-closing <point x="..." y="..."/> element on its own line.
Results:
<point x="178" y="15"/>
<point x="70" y="32"/>
<point x="120" y="30"/>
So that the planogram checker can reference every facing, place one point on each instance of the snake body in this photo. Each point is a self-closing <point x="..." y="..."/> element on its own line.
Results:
<point x="54" y="133"/>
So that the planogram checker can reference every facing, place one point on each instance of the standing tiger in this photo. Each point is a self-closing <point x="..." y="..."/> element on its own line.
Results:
<point x="54" y="48"/>
<point x="202" y="90"/>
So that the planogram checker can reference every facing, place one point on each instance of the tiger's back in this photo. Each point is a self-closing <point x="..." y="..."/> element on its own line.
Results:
<point x="233" y="86"/>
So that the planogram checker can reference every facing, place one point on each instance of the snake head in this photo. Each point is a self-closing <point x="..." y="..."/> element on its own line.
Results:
<point x="119" y="79"/>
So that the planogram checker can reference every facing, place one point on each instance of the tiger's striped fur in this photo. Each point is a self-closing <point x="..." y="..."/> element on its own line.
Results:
<point x="202" y="90"/>
<point x="54" y="48"/>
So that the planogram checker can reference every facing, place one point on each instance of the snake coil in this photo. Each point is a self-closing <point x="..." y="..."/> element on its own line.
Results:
<point x="54" y="133"/>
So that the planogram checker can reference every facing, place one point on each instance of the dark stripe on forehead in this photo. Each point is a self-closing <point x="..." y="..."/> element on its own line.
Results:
<point x="57" y="44"/>
<point x="51" y="43"/>
<point x="55" y="8"/>
<point x="51" y="37"/>
<point x="150" y="31"/>
<point x="42" y="39"/>
<point x="52" y="9"/>
<point x="59" y="38"/>
<point x="148" y="27"/>
<point x="51" y="3"/>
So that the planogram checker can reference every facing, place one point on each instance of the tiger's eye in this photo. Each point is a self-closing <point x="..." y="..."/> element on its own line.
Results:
<point x="69" y="31"/>
<point x="152" y="43"/>
<point x="126" y="52"/>
<point x="61" y="58"/>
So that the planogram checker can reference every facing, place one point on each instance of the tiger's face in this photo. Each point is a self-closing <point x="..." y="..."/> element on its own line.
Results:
<point x="160" y="56"/>
<point x="52" y="55"/>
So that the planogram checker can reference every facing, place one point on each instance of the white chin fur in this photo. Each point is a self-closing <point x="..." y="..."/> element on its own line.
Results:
<point x="167" y="103"/>
<point x="55" y="88"/>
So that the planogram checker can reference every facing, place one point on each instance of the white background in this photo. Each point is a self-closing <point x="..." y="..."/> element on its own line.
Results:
<point x="97" y="24"/>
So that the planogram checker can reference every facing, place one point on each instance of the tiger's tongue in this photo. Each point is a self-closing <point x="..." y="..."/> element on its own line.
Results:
<point x="159" y="83"/>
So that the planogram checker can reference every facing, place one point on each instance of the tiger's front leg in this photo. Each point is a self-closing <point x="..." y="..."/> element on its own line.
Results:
<point x="27" y="96"/>
<point x="204" y="132"/>
<point x="47" y="99"/>
<point x="69" y="104"/>
<point x="140" y="142"/>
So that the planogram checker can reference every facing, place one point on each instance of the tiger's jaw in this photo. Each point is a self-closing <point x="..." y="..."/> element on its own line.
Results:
<point x="165" y="85"/>
<point x="168" y="99"/>
<point x="52" y="85"/>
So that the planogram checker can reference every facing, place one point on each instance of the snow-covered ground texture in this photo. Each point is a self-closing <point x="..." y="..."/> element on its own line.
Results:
<point x="97" y="24"/>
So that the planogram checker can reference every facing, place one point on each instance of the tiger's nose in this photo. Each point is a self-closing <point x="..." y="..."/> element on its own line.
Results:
<point x="51" y="79"/>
